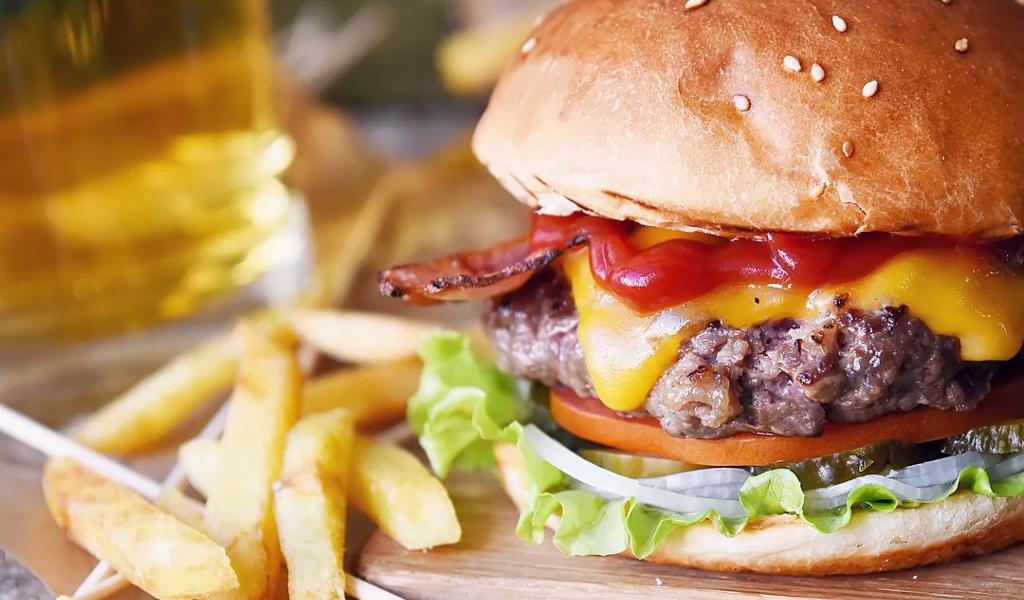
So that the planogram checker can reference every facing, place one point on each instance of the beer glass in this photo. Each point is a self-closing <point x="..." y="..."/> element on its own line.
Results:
<point x="140" y="155"/>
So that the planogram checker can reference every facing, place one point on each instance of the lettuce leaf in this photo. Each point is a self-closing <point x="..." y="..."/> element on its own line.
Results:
<point x="464" y="407"/>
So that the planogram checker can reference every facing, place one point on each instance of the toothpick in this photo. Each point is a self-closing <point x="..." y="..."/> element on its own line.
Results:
<point x="364" y="590"/>
<point x="104" y="589"/>
<point x="93" y="581"/>
<point x="53" y="444"/>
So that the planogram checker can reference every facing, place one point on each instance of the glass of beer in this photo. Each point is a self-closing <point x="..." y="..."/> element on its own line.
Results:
<point x="140" y="155"/>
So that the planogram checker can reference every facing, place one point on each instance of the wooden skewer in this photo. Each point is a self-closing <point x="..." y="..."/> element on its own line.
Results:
<point x="53" y="444"/>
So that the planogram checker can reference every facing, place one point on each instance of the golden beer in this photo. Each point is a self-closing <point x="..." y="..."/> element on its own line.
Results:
<point x="139" y="159"/>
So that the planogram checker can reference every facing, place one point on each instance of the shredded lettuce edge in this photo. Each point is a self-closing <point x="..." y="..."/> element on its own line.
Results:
<point x="465" y="406"/>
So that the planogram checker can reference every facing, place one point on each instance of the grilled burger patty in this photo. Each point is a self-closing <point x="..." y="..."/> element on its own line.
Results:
<point x="783" y="377"/>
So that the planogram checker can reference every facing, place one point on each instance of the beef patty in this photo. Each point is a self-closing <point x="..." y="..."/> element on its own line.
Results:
<point x="783" y="377"/>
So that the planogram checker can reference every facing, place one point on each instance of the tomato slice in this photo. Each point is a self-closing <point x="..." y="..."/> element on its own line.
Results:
<point x="589" y="419"/>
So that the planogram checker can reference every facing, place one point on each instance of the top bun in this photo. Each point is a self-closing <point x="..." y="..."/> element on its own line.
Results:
<point x="638" y="109"/>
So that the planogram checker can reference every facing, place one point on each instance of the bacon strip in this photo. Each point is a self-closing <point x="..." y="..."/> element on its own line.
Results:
<point x="470" y="275"/>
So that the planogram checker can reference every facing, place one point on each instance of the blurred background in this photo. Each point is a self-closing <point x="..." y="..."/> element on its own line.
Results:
<point x="170" y="165"/>
<point x="167" y="166"/>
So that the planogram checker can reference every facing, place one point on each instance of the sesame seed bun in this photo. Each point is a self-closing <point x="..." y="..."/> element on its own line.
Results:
<point x="966" y="524"/>
<point x="696" y="119"/>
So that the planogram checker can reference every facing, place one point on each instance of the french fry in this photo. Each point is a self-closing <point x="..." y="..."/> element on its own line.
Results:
<point x="201" y="460"/>
<point x="401" y="496"/>
<point x="182" y="507"/>
<point x="150" y="548"/>
<point x="309" y="505"/>
<point x="158" y="404"/>
<point x="264" y="406"/>
<point x="358" y="337"/>
<point x="471" y="60"/>
<point x="385" y="482"/>
<point x="375" y="395"/>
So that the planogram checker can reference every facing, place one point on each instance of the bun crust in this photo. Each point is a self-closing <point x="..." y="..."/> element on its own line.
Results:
<point x="967" y="524"/>
<point x="627" y="108"/>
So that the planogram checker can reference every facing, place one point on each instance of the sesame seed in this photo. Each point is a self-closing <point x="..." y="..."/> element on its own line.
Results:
<point x="870" y="88"/>
<point x="817" y="72"/>
<point x="658" y="581"/>
<point x="792" y="63"/>
<point x="839" y="23"/>
<point x="528" y="45"/>
<point x="742" y="102"/>
<point x="962" y="45"/>
<point x="848" y="149"/>
<point x="947" y="1"/>
<point x="692" y="4"/>
<point x="818" y="190"/>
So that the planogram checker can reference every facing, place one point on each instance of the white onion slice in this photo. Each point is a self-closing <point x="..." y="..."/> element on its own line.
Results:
<point x="701" y="477"/>
<point x="943" y="469"/>
<point x="837" y="495"/>
<point x="688" y="506"/>
<point x="575" y="466"/>
<point x="1010" y="466"/>
<point x="591" y="475"/>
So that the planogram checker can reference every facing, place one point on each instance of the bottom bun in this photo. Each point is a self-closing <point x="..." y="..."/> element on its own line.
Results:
<point x="966" y="524"/>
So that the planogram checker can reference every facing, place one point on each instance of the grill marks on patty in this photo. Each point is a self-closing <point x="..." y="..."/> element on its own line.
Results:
<point x="783" y="377"/>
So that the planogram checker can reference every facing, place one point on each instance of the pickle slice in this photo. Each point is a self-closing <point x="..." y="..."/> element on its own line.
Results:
<point x="876" y="459"/>
<point x="1005" y="438"/>
<point x="635" y="465"/>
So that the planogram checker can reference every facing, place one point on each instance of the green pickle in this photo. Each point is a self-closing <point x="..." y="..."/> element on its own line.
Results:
<point x="876" y="459"/>
<point x="1005" y="438"/>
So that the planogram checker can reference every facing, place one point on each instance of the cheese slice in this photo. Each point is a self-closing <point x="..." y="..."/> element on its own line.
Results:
<point x="952" y="292"/>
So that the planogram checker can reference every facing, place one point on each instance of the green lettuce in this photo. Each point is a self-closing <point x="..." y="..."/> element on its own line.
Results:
<point x="464" y="406"/>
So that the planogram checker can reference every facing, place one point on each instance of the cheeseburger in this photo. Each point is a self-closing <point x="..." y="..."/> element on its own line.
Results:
<point x="769" y="310"/>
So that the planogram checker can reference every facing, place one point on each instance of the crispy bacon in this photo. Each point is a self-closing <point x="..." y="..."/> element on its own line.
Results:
<point x="470" y="275"/>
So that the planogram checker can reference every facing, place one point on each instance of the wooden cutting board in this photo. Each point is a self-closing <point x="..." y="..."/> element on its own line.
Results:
<point x="491" y="562"/>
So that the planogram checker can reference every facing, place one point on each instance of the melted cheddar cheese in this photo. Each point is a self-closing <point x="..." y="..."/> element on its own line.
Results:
<point x="626" y="353"/>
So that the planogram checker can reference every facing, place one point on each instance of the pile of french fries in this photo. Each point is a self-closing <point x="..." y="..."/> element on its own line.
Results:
<point x="267" y="514"/>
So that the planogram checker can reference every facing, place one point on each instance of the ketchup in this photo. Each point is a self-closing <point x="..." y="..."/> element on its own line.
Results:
<point x="675" y="271"/>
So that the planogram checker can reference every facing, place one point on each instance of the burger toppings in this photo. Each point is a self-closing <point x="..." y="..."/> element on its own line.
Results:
<point x="1005" y="438"/>
<point x="787" y="377"/>
<point x="876" y="459"/>
<point x="610" y="502"/>
<point x="782" y="377"/>
<point x="470" y="275"/>
<point x="808" y="330"/>
<point x="627" y="352"/>
<point x="590" y="420"/>
<point x="652" y="269"/>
